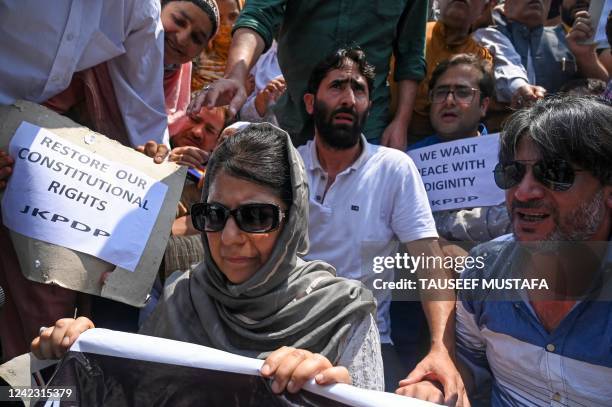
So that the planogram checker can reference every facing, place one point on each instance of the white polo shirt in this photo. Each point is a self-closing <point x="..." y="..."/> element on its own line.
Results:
<point x="372" y="205"/>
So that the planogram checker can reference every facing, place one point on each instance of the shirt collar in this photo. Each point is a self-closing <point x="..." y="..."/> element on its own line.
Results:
<point x="482" y="129"/>
<point x="366" y="152"/>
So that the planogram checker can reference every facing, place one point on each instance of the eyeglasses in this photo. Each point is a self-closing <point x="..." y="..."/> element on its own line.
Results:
<point x="250" y="218"/>
<point x="461" y="94"/>
<point x="557" y="175"/>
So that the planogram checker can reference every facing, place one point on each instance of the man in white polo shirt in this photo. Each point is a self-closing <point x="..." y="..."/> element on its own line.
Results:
<point x="365" y="200"/>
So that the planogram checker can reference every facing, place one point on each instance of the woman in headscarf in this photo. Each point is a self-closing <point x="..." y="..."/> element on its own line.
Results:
<point x="189" y="25"/>
<point x="253" y="295"/>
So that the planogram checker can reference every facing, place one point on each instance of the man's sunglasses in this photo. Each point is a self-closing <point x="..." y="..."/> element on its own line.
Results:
<point x="557" y="175"/>
<point x="250" y="218"/>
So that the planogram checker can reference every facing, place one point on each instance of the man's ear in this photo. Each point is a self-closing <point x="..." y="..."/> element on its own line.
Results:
<point x="309" y="102"/>
<point x="484" y="105"/>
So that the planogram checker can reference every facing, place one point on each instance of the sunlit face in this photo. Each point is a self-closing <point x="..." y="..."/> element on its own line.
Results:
<point x="200" y="131"/>
<point x="239" y="254"/>
<point x="460" y="13"/>
<point x="529" y="12"/>
<point x="540" y="214"/>
<point x="452" y="119"/>
<point x="187" y="29"/>
<point x="340" y="106"/>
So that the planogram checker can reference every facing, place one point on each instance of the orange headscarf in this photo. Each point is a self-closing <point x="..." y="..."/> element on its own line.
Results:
<point x="210" y="64"/>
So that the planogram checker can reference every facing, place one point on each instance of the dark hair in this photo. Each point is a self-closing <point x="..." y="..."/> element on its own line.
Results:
<point x="486" y="84"/>
<point x="257" y="153"/>
<point x="337" y="60"/>
<point x="609" y="29"/>
<point x="577" y="129"/>
<point x="584" y="86"/>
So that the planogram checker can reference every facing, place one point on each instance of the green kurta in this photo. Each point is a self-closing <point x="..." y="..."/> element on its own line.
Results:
<point x="312" y="29"/>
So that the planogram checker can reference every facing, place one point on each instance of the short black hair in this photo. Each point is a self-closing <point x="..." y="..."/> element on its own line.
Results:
<point x="577" y="129"/>
<point x="486" y="84"/>
<point x="259" y="154"/>
<point x="337" y="60"/>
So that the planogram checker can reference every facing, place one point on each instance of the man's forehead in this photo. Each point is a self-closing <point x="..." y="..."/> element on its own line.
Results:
<point x="348" y="70"/>
<point x="460" y="75"/>
<point x="527" y="150"/>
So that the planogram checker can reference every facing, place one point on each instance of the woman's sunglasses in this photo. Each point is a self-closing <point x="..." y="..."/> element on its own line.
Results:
<point x="250" y="218"/>
<point x="557" y="175"/>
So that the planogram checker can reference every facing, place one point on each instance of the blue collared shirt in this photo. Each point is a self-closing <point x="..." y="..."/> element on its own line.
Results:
<point x="510" y="353"/>
<point x="435" y="139"/>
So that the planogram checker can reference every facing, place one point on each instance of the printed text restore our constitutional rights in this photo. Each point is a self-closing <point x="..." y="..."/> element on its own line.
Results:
<point x="83" y="176"/>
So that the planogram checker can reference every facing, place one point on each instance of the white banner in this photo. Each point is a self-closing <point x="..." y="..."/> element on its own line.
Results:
<point x="459" y="174"/>
<point x="63" y="194"/>
<point x="217" y="376"/>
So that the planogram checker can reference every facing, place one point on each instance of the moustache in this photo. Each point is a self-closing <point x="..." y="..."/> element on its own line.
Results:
<point x="347" y="110"/>
<point x="528" y="205"/>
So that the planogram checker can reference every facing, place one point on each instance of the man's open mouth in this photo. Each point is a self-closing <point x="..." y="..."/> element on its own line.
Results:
<point x="532" y="216"/>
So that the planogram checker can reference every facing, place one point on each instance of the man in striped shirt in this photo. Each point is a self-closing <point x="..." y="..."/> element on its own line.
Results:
<point x="550" y="346"/>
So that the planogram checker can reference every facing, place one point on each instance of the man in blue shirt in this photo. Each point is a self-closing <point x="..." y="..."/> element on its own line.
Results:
<point x="461" y="89"/>
<point x="526" y="344"/>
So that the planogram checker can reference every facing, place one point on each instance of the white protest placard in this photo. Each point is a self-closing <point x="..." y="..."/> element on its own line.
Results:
<point x="459" y="174"/>
<point x="63" y="194"/>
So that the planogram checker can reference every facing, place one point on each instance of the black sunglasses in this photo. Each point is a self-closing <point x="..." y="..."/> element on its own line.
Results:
<point x="250" y="218"/>
<point x="557" y="175"/>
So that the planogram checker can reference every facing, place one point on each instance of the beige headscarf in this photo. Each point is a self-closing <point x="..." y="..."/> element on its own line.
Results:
<point x="287" y="302"/>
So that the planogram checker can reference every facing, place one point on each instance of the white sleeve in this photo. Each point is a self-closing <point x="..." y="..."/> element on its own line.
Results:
<point x="411" y="217"/>
<point x="137" y="75"/>
<point x="510" y="74"/>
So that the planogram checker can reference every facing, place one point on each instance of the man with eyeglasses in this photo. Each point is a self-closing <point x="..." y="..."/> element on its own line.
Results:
<point x="461" y="89"/>
<point x="546" y="346"/>
<point x="448" y="36"/>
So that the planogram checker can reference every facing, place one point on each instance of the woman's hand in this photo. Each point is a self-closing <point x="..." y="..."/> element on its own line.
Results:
<point x="291" y="368"/>
<point x="221" y="92"/>
<point x="54" y="342"/>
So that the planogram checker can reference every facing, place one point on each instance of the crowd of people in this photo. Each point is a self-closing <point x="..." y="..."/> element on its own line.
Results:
<point x="295" y="119"/>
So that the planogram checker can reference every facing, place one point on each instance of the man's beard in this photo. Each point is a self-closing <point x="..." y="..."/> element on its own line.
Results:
<point x="579" y="225"/>
<point x="338" y="136"/>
